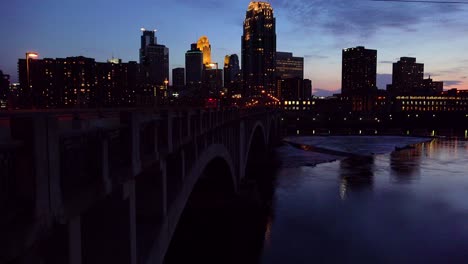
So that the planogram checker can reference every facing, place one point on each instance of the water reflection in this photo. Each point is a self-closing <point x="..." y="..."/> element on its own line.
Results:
<point x="381" y="220"/>
<point x="356" y="174"/>
<point x="405" y="164"/>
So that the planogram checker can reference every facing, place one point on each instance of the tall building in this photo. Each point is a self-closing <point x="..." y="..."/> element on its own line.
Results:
<point x="288" y="66"/>
<point x="259" y="49"/>
<point x="193" y="67"/>
<point x="359" y="71"/>
<point x="4" y="88"/>
<point x="407" y="77"/>
<point x="212" y="81"/>
<point x="232" y="73"/>
<point x="116" y="83"/>
<point x="178" y="79"/>
<point x="203" y="44"/>
<point x="307" y="89"/>
<point x="154" y="61"/>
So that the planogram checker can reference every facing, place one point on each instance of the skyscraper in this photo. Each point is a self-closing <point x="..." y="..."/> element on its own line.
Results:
<point x="193" y="67"/>
<point x="407" y="77"/>
<point x="231" y="70"/>
<point x="4" y="88"/>
<point x="203" y="44"/>
<point x="154" y="59"/>
<point x="259" y="49"/>
<point x="359" y="71"/>
<point x="288" y="66"/>
<point x="178" y="79"/>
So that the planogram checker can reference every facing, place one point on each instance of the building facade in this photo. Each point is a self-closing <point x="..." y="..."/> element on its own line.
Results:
<point x="78" y="82"/>
<point x="359" y="71"/>
<point x="288" y="66"/>
<point x="232" y="74"/>
<point x="4" y="89"/>
<point x="408" y="77"/>
<point x="154" y="63"/>
<point x="203" y="44"/>
<point x="259" y="49"/>
<point x="193" y="67"/>
<point x="178" y="79"/>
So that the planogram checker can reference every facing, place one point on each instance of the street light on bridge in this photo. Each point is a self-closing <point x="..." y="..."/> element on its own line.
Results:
<point x="30" y="55"/>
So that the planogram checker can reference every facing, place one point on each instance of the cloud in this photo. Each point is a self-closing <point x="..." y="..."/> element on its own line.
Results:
<point x="383" y="79"/>
<point x="452" y="82"/>
<point x="361" y="18"/>
<point x="324" y="92"/>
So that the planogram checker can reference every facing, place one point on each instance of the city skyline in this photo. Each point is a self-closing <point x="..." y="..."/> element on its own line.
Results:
<point x="395" y="32"/>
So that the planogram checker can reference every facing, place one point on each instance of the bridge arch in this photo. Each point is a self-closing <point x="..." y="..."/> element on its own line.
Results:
<point x="273" y="133"/>
<point x="256" y="151"/>
<point x="203" y="213"/>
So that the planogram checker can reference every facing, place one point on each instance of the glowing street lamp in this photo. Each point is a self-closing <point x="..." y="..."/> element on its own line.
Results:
<point x="30" y="55"/>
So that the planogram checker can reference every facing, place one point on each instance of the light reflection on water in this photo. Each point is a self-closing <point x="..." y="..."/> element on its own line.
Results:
<point x="406" y="206"/>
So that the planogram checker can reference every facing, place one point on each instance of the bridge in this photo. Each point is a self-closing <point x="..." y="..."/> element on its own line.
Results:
<point x="110" y="186"/>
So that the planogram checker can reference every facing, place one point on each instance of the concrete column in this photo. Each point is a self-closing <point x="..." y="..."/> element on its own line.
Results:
<point x="129" y="194"/>
<point x="163" y="192"/>
<point x="33" y="180"/>
<point x="170" y="145"/>
<point x="107" y="182"/>
<point x="131" y="119"/>
<point x="74" y="240"/>
<point x="242" y="147"/>
<point x="55" y="191"/>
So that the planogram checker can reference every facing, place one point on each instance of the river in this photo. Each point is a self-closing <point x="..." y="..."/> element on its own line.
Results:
<point x="345" y="200"/>
<point x="405" y="206"/>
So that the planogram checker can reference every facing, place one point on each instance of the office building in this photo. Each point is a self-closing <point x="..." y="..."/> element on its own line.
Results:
<point x="288" y="66"/>
<point x="232" y="74"/>
<point x="259" y="49"/>
<point x="359" y="71"/>
<point x="193" y="67"/>
<point x="154" y="63"/>
<point x="4" y="89"/>
<point x="178" y="79"/>
<point x="407" y="78"/>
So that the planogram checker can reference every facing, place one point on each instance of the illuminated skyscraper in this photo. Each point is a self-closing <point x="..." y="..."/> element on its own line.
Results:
<point x="203" y="44"/>
<point x="259" y="49"/>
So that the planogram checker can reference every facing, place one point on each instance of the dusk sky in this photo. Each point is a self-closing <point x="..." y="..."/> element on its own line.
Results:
<point x="436" y="34"/>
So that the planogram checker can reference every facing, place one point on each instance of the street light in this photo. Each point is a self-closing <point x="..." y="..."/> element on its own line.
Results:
<point x="30" y="55"/>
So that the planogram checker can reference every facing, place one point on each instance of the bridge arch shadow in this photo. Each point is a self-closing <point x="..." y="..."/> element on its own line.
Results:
<point x="206" y="218"/>
<point x="257" y="154"/>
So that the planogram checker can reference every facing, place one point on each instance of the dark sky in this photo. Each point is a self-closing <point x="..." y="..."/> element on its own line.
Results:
<point x="317" y="29"/>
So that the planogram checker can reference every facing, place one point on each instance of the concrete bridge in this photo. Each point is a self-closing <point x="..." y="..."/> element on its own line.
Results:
<point x="110" y="187"/>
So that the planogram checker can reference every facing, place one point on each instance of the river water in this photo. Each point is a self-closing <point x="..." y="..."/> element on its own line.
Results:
<point x="342" y="200"/>
<point x="375" y="205"/>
